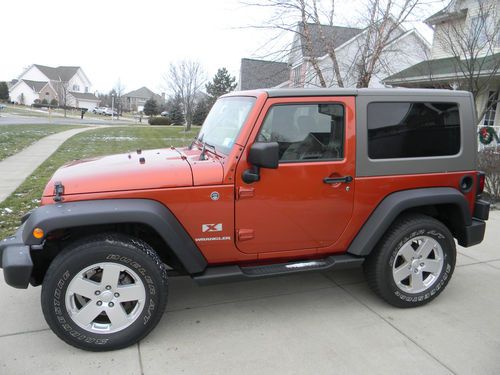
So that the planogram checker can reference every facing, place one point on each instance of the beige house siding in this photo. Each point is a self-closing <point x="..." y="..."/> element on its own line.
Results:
<point x="47" y="93"/>
<point x="440" y="45"/>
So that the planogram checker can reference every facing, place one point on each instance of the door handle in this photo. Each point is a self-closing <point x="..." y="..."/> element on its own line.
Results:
<point x="337" y="180"/>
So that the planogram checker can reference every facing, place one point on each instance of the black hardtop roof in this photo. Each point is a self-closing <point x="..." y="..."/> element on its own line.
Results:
<point x="281" y="93"/>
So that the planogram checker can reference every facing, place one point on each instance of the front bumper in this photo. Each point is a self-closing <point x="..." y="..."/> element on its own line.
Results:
<point x="15" y="259"/>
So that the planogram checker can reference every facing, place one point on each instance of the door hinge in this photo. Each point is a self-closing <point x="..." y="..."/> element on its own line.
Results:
<point x="245" y="234"/>
<point x="245" y="192"/>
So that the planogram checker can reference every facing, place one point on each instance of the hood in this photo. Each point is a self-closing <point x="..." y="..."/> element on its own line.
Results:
<point x="153" y="169"/>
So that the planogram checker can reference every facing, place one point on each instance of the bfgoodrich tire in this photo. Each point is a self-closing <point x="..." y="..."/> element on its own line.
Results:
<point x="105" y="292"/>
<point x="413" y="262"/>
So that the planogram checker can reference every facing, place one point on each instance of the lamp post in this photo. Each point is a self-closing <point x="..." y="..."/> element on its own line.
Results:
<point x="112" y="106"/>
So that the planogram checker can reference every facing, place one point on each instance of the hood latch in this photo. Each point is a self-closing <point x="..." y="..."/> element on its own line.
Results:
<point x="58" y="191"/>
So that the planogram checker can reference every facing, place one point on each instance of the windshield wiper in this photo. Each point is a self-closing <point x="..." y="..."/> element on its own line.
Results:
<point x="204" y="145"/>
<point x="203" y="155"/>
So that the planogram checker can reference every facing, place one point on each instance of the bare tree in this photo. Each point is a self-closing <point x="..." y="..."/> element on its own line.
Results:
<point x="380" y="28"/>
<point x="185" y="79"/>
<point x="382" y="25"/>
<point x="119" y="89"/>
<point x="62" y="90"/>
<point x="296" y="17"/>
<point x="472" y="45"/>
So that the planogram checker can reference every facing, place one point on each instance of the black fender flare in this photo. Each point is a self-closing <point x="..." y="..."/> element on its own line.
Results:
<point x="114" y="211"/>
<point x="394" y="204"/>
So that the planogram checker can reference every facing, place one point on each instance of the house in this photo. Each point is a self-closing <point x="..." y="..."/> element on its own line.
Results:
<point x="67" y="84"/>
<point x="311" y="46"/>
<point x="405" y="48"/>
<point x="465" y="55"/>
<point x="26" y="91"/>
<point x="259" y="74"/>
<point x="135" y="100"/>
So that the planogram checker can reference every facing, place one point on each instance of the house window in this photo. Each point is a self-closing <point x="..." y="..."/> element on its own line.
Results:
<point x="76" y="88"/>
<point x="413" y="130"/>
<point x="480" y="26"/>
<point x="86" y="89"/>
<point x="296" y="76"/>
<point x="491" y="109"/>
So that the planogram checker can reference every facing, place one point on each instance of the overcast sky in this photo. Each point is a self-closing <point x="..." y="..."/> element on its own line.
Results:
<point x="135" y="41"/>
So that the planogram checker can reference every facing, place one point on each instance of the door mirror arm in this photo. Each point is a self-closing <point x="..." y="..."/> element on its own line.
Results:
<point x="251" y="175"/>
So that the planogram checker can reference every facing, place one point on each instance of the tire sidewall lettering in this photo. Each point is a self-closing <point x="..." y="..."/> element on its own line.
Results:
<point x="443" y="277"/>
<point x="66" y="323"/>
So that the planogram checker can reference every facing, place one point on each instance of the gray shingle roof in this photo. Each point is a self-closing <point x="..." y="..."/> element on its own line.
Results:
<point x="143" y="93"/>
<point x="447" y="67"/>
<point x="61" y="73"/>
<point x="84" y="96"/>
<point x="337" y="34"/>
<point x="259" y="74"/>
<point x="451" y="11"/>
<point x="35" y="85"/>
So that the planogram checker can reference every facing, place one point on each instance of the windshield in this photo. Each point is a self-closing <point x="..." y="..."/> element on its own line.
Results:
<point x="223" y="123"/>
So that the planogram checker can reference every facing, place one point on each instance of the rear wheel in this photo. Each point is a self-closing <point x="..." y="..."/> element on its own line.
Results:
<point x="413" y="262"/>
<point x="105" y="292"/>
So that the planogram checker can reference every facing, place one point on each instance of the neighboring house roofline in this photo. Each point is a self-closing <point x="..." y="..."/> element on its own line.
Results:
<point x="141" y="93"/>
<point x="84" y="96"/>
<point x="256" y="73"/>
<point x="441" y="69"/>
<point x="448" y="13"/>
<point x="85" y="77"/>
<point x="341" y="33"/>
<point x="394" y="40"/>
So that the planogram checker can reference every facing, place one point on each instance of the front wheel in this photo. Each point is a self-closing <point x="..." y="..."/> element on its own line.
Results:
<point x="105" y="292"/>
<point x="413" y="262"/>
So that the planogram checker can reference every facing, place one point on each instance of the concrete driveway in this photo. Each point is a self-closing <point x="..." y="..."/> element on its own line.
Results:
<point x="307" y="324"/>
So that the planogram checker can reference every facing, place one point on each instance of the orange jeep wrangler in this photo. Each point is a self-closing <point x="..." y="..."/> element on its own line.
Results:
<point x="277" y="182"/>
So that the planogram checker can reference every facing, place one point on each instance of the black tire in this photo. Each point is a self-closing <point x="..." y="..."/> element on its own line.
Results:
<point x="110" y="249"/>
<point x="378" y="266"/>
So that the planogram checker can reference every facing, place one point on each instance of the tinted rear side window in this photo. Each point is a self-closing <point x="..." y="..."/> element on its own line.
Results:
<point x="411" y="130"/>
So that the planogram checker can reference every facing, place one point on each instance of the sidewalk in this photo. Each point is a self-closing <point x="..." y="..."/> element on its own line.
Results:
<point x="314" y="323"/>
<point x="16" y="168"/>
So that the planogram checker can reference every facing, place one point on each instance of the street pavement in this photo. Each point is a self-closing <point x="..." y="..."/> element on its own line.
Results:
<point x="315" y="323"/>
<point x="11" y="119"/>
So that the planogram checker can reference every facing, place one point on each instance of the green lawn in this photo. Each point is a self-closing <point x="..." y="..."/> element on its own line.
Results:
<point x="14" y="138"/>
<point x="87" y="144"/>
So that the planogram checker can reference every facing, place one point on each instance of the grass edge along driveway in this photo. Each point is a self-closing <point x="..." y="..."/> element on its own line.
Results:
<point x="88" y="144"/>
<point x="15" y="138"/>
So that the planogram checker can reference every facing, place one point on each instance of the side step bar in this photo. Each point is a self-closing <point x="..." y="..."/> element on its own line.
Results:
<point x="219" y="274"/>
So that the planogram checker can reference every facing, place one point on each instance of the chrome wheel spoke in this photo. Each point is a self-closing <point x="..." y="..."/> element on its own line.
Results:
<point x="417" y="281"/>
<point x="117" y="316"/>
<point x="402" y="273"/>
<point x="84" y="287"/>
<point x="109" y="305"/>
<point x="407" y="251"/>
<point x="409" y="274"/>
<point x="87" y="313"/>
<point x="110" y="275"/>
<point x="131" y="292"/>
<point x="426" y="247"/>
<point x="433" y="266"/>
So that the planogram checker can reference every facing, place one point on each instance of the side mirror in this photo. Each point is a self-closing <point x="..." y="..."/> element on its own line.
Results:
<point x="264" y="155"/>
<point x="261" y="155"/>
